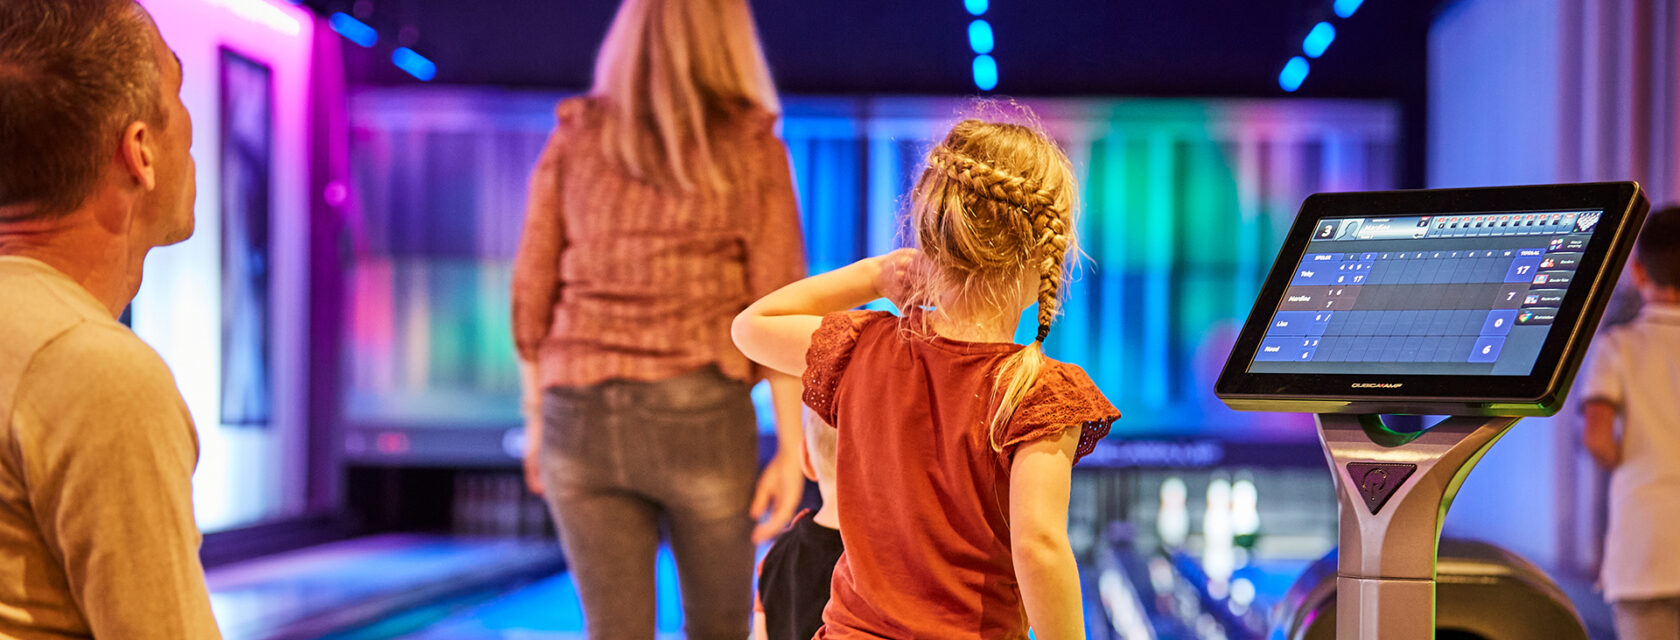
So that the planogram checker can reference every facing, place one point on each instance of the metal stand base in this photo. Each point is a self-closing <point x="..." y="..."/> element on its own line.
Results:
<point x="1394" y="490"/>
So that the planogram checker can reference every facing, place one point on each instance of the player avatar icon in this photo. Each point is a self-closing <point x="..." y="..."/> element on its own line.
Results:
<point x="1350" y="229"/>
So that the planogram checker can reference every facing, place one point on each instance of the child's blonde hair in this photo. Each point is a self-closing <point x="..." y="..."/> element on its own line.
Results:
<point x="997" y="202"/>
<point x="666" y="70"/>
<point x="820" y="443"/>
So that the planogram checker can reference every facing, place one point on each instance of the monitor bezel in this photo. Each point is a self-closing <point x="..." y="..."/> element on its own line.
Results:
<point x="1540" y="392"/>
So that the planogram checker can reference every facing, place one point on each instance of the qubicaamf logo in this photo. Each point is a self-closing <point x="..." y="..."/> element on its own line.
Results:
<point x="1378" y="385"/>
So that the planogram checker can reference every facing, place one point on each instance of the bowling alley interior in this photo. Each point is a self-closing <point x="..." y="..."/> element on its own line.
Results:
<point x="345" y="324"/>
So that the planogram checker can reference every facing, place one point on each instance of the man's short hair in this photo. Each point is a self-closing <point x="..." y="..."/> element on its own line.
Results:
<point x="73" y="75"/>
<point x="1658" y="247"/>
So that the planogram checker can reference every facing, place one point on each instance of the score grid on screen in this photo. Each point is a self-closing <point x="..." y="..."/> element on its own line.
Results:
<point x="1467" y="294"/>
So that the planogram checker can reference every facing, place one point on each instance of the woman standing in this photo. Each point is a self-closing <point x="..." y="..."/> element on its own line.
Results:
<point x="661" y="207"/>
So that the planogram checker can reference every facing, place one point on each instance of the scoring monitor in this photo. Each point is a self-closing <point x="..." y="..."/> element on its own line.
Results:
<point x="1468" y="300"/>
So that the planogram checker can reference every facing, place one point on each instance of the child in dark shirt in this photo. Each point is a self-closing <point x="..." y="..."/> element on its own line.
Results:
<point x="794" y="579"/>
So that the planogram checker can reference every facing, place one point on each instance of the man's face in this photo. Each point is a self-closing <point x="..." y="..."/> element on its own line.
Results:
<point x="170" y="207"/>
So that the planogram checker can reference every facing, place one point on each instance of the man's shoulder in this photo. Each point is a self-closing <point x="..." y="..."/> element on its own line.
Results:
<point x="53" y="332"/>
<point x="98" y="367"/>
<point x="100" y="385"/>
<point x="92" y="354"/>
<point x="40" y="306"/>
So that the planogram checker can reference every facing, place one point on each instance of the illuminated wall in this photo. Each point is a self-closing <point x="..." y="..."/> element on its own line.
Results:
<point x="1185" y="204"/>
<point x="245" y="474"/>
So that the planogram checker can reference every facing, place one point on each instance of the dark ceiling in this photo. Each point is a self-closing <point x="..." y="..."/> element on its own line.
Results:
<point x="1044" y="47"/>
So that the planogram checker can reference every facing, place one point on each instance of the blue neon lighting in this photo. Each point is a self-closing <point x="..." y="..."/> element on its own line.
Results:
<point x="415" y="64"/>
<point x="1345" y="8"/>
<point x="985" y="72"/>
<point x="1318" y="39"/>
<point x="976" y="7"/>
<point x="353" y="30"/>
<point x="1294" y="73"/>
<point x="980" y="36"/>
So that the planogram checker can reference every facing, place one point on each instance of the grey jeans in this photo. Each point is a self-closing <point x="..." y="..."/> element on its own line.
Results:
<point x="620" y="458"/>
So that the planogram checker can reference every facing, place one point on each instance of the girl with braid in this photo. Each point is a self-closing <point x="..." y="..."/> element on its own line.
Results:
<point x="956" y="445"/>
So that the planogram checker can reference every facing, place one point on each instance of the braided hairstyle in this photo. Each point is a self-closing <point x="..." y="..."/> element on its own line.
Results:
<point x="994" y="204"/>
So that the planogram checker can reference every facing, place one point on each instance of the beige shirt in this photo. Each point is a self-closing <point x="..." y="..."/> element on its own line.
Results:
<point x="1636" y="367"/>
<point x="97" y="537"/>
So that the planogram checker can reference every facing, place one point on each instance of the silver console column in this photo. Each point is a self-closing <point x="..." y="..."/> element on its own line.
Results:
<point x="1394" y="491"/>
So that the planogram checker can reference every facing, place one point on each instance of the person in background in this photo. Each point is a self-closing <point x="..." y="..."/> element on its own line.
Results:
<point x="1633" y="374"/>
<point x="956" y="445"/>
<point x="793" y="580"/>
<point x="97" y="536"/>
<point x="661" y="207"/>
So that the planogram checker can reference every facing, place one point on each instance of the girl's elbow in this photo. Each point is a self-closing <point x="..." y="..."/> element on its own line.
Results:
<point x="1040" y="548"/>
<point x="741" y="330"/>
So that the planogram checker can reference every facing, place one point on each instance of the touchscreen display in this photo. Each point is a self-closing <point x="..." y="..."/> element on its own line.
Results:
<point x="1463" y="294"/>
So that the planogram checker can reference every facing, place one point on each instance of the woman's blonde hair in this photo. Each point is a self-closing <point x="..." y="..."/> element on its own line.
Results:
<point x="666" y="71"/>
<point x="995" y="202"/>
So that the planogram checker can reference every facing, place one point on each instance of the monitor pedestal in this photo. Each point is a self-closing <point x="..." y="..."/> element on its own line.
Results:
<point x="1394" y="490"/>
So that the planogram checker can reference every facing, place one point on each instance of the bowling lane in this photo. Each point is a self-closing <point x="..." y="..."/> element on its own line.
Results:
<point x="547" y="609"/>
<point x="312" y="592"/>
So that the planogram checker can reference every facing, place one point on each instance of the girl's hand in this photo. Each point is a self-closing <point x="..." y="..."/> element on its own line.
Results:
<point x="900" y="271"/>
<point x="780" y="489"/>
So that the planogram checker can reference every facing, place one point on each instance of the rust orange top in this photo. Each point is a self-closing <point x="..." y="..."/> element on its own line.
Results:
<point x="923" y="498"/>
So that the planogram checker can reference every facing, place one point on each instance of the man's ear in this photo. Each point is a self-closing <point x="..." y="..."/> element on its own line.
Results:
<point x="135" y="153"/>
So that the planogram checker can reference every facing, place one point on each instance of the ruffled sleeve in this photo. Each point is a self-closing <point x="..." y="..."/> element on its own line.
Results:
<point x="829" y="355"/>
<point x="1064" y="398"/>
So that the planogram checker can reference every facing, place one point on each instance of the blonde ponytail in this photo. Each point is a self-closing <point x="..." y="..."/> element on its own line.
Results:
<point x="1015" y="379"/>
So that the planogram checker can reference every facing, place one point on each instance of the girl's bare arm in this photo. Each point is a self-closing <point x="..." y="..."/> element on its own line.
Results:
<point x="776" y="330"/>
<point x="1039" y="482"/>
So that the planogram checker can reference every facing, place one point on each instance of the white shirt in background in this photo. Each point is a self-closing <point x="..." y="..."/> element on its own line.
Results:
<point x="1636" y="368"/>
